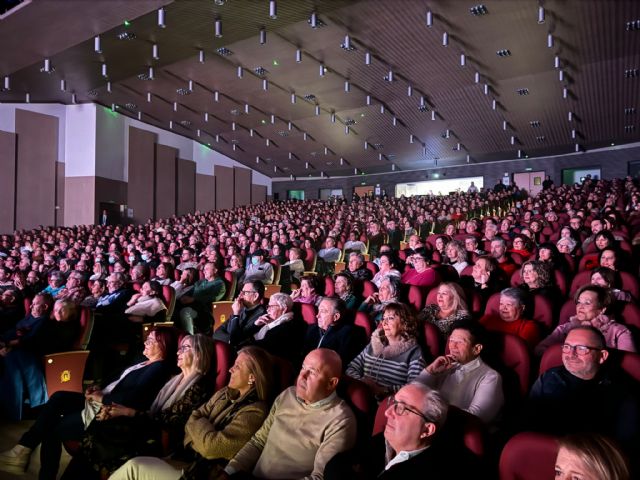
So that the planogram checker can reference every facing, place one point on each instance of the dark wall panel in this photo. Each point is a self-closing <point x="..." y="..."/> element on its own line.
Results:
<point x="141" y="183"/>
<point x="186" y="184"/>
<point x="258" y="193"/>
<point x="37" y="155"/>
<point x="224" y="187"/>
<point x="165" y="191"/>
<point x="242" y="182"/>
<point x="205" y="192"/>
<point x="7" y="181"/>
<point x="60" y="181"/>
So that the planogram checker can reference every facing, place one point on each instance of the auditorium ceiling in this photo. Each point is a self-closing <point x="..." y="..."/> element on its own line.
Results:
<point x="337" y="87"/>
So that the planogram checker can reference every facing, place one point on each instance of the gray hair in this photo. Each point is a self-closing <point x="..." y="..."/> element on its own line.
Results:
<point x="283" y="300"/>
<point x="516" y="294"/>
<point x="433" y="406"/>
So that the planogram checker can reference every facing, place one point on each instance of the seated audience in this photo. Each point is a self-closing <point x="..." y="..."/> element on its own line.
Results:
<point x="195" y="311"/>
<point x="585" y="394"/>
<point x="449" y="308"/>
<point x="592" y="304"/>
<point x="393" y="356"/>
<point x="246" y="308"/>
<point x="120" y="433"/>
<point x="67" y="414"/>
<point x="589" y="456"/>
<point x="334" y="331"/>
<point x="511" y="317"/>
<point x="343" y="287"/>
<point x="280" y="449"/>
<point x="462" y="378"/>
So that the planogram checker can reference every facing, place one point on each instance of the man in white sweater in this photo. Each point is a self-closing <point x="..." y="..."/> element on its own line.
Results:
<point x="307" y="425"/>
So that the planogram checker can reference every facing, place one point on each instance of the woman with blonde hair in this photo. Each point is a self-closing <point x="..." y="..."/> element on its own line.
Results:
<point x="450" y="307"/>
<point x="590" y="456"/>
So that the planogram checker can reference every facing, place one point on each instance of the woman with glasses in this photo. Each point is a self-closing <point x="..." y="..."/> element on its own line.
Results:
<point x="393" y="357"/>
<point x="592" y="304"/>
<point x="67" y="414"/>
<point x="120" y="433"/>
<point x="217" y="430"/>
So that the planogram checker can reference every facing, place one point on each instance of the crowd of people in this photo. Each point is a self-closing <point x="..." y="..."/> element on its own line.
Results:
<point x="409" y="299"/>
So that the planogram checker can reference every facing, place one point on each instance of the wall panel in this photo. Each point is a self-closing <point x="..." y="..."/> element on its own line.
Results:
<point x="37" y="154"/>
<point x="7" y="181"/>
<point x="205" y="192"/>
<point x="186" y="185"/>
<point x="258" y="193"/>
<point x="140" y="192"/>
<point x="224" y="187"/>
<point x="165" y="190"/>
<point x="242" y="183"/>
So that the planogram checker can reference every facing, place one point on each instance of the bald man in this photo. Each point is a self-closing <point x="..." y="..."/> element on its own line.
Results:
<point x="308" y="424"/>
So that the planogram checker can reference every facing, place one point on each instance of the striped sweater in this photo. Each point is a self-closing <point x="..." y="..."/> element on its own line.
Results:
<point x="390" y="366"/>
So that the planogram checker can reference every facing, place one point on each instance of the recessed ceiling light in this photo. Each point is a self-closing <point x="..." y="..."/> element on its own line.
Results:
<point x="478" y="10"/>
<point x="126" y="36"/>
<point x="224" y="51"/>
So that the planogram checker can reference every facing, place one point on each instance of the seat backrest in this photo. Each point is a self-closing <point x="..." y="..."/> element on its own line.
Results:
<point x="433" y="339"/>
<point x="65" y="371"/>
<point x="581" y="278"/>
<point x="225" y="356"/>
<point x="415" y="297"/>
<point x="363" y="320"/>
<point x="221" y="311"/>
<point x="551" y="358"/>
<point x="169" y="296"/>
<point x="630" y="283"/>
<point x="528" y="456"/>
<point x="368" y="288"/>
<point x="86" y="327"/>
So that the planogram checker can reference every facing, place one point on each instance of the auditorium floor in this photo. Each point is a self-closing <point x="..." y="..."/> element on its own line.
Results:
<point x="10" y="433"/>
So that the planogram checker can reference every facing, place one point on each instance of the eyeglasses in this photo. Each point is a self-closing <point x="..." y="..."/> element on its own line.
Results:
<point x="580" y="350"/>
<point x="400" y="408"/>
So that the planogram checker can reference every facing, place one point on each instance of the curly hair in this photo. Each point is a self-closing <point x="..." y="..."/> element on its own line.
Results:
<point x="408" y="322"/>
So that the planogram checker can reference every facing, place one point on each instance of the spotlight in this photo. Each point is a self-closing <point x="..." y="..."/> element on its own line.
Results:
<point x="161" y="23"/>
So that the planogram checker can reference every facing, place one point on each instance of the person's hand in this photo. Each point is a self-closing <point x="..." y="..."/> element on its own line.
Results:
<point x="441" y="365"/>
<point x="236" y="306"/>
<point x="373" y="298"/>
<point x="264" y="320"/>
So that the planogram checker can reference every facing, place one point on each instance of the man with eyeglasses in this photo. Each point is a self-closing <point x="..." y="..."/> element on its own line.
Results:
<point x="247" y="308"/>
<point x="586" y="393"/>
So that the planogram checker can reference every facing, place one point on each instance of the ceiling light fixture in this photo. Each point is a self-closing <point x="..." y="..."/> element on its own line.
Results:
<point x="154" y="52"/>
<point x="263" y="35"/>
<point x="161" y="23"/>
<point x="96" y="44"/>
<point x="273" y="9"/>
